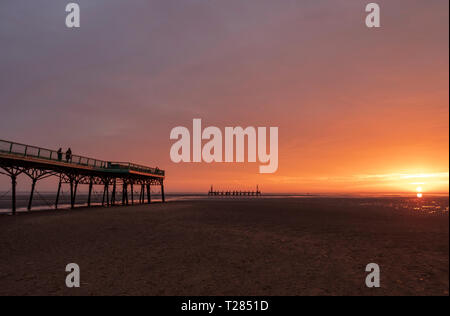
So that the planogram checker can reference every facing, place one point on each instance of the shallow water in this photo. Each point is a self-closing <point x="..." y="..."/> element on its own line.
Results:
<point x="46" y="201"/>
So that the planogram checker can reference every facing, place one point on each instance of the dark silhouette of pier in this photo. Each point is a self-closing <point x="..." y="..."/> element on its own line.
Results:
<point x="40" y="163"/>
<point x="213" y="192"/>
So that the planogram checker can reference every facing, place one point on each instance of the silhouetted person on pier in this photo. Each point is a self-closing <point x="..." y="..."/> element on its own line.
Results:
<point x="69" y="155"/>
<point x="60" y="154"/>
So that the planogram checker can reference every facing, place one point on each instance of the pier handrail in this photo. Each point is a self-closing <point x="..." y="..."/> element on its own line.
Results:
<point x="135" y="167"/>
<point x="52" y="155"/>
<point x="47" y="154"/>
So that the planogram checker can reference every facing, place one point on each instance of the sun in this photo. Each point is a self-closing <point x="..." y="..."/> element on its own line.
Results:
<point x="419" y="192"/>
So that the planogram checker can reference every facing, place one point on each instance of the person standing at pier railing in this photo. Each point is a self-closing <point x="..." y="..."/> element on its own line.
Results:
<point x="69" y="155"/>
<point x="60" y="154"/>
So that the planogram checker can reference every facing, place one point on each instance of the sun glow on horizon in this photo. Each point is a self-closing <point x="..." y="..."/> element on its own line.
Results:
<point x="400" y="182"/>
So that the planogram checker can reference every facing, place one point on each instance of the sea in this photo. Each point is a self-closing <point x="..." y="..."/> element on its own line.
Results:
<point x="432" y="203"/>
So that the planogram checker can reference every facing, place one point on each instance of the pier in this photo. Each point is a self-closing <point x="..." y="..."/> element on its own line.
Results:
<point x="213" y="192"/>
<point x="41" y="163"/>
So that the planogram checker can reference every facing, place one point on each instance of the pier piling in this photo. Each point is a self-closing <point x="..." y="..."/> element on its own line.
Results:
<point x="213" y="192"/>
<point x="149" y="194"/>
<point x="58" y="192"/>
<point x="14" y="184"/>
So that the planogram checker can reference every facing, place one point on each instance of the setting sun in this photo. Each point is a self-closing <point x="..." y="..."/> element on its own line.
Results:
<point x="419" y="192"/>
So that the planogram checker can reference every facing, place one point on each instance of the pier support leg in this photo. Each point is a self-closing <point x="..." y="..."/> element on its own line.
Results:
<point x="104" y="193"/>
<point x="75" y="194"/>
<point x="132" y="193"/>
<point x="14" y="184"/>
<point x="91" y="184"/>
<point x="58" y="192"/>
<point x="113" y="196"/>
<point x="35" y="175"/>
<point x="71" y="193"/>
<point x="12" y="172"/>
<point x="149" y="194"/>
<point x="143" y="194"/>
<point x="123" y="194"/>
<point x="107" y="194"/>
<point x="141" y="197"/>
<point x="162" y="193"/>
<point x="30" y="201"/>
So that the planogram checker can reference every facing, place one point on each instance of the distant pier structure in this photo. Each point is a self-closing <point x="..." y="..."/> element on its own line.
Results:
<point x="213" y="192"/>
<point x="40" y="163"/>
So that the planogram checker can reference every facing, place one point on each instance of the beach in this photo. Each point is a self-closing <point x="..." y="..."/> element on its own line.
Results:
<point x="275" y="246"/>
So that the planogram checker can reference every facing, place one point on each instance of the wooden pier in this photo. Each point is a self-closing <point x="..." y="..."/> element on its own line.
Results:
<point x="213" y="192"/>
<point x="40" y="163"/>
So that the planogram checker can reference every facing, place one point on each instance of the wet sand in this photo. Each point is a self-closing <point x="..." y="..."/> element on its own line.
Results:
<point x="246" y="247"/>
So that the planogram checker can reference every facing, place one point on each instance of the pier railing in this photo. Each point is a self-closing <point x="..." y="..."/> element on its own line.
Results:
<point x="48" y="154"/>
<point x="135" y="167"/>
<point x="52" y="155"/>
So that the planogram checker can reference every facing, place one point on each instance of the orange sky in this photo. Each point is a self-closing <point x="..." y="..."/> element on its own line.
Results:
<point x="358" y="110"/>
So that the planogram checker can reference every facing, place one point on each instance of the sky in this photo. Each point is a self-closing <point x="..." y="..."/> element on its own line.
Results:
<point x="358" y="109"/>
